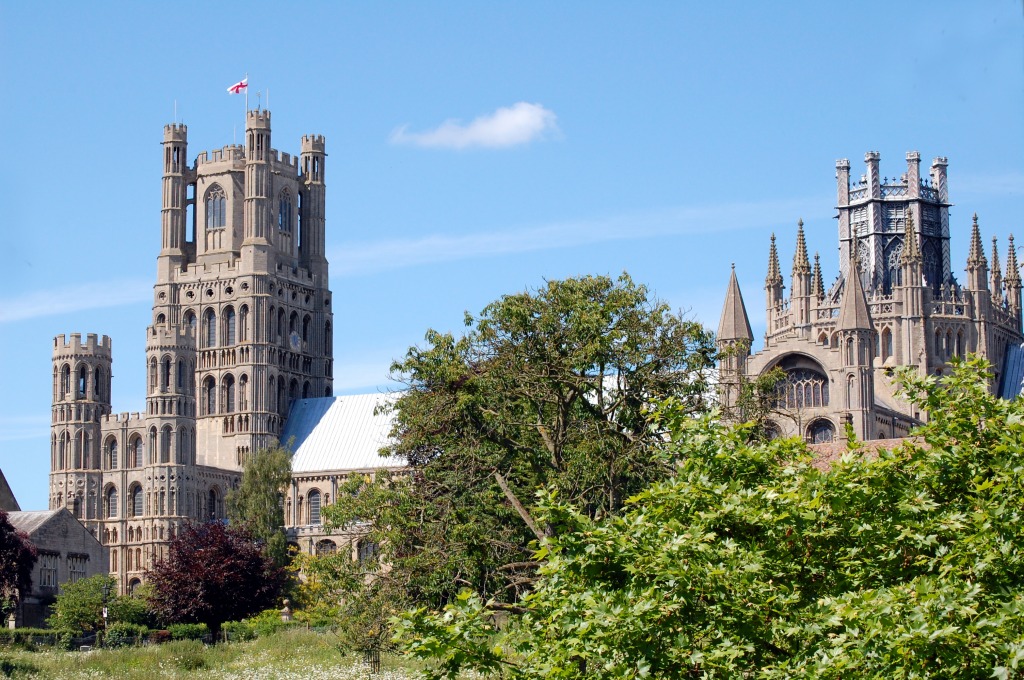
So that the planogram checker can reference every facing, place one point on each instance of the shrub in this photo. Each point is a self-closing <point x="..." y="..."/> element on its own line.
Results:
<point x="238" y="631"/>
<point x="125" y="634"/>
<point x="188" y="631"/>
<point x="33" y="637"/>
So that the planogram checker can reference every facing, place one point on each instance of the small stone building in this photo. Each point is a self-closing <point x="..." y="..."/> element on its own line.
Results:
<point x="68" y="552"/>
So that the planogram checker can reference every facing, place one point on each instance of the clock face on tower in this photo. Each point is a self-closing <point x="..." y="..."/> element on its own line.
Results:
<point x="295" y="341"/>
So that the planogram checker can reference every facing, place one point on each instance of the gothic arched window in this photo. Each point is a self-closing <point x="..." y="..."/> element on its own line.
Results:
<point x="136" y="498"/>
<point x="229" y="326"/>
<point x="111" y="454"/>
<point x="135" y="452"/>
<point x="804" y="387"/>
<point x="326" y="547"/>
<point x="210" y="396"/>
<point x="165" y="444"/>
<point x="216" y="208"/>
<point x="314" y="506"/>
<point x="210" y="320"/>
<point x="229" y="393"/>
<point x="111" y="503"/>
<point x="243" y="323"/>
<point x="284" y="211"/>
<point x="821" y="431"/>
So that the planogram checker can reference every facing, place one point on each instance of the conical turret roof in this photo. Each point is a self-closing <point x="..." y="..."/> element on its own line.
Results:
<point x="734" y="324"/>
<point x="774" y="277"/>
<point x="800" y="263"/>
<point x="817" y="285"/>
<point x="1012" y="270"/>
<point x="911" y="250"/>
<point x="853" y="308"/>
<point x="976" y="255"/>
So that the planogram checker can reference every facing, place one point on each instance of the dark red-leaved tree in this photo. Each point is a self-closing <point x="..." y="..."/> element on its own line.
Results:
<point x="213" y="573"/>
<point x="17" y="559"/>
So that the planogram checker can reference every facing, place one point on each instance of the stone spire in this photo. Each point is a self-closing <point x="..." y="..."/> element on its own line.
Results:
<point x="773" y="282"/>
<point x="911" y="250"/>
<point x="734" y="324"/>
<point x="800" y="263"/>
<point x="1012" y="270"/>
<point x="977" y="265"/>
<point x="976" y="255"/>
<point x="774" y="277"/>
<point x="853" y="308"/>
<point x="996" y="276"/>
<point x="817" y="285"/>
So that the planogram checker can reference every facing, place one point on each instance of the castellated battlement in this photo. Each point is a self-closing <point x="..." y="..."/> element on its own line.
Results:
<point x="175" y="132"/>
<point x="313" y="143"/>
<point x="93" y="345"/>
<point x="230" y="152"/>
<point x="169" y="337"/>
<point x="284" y="158"/>
<point x="134" y="419"/>
<point x="259" y="118"/>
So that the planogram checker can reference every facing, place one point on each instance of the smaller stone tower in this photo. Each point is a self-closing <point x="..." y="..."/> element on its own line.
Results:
<point x="81" y="398"/>
<point x="312" y="225"/>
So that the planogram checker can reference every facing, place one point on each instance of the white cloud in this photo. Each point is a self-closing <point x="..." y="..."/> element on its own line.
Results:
<point x="75" y="298"/>
<point x="355" y="259"/>
<point x="508" y="126"/>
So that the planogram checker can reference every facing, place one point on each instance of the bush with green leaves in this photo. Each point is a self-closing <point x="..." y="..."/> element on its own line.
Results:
<point x="188" y="631"/>
<point x="79" y="606"/>
<point x="124" y="635"/>
<point x="750" y="560"/>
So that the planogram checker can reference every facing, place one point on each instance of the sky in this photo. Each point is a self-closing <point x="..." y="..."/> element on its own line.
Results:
<point x="477" y="149"/>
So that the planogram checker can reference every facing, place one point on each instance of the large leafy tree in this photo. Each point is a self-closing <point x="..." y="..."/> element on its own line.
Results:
<point x="17" y="559"/>
<point x="79" y="606"/>
<point x="256" y="503"/>
<point x="751" y="562"/>
<point x="213" y="573"/>
<point x="549" y="387"/>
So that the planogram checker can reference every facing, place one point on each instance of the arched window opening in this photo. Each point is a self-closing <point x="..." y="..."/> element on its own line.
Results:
<point x="165" y="444"/>
<point x="850" y="352"/>
<point x="229" y="326"/>
<point x="210" y="396"/>
<point x="212" y="504"/>
<point x="135" y="451"/>
<point x="76" y="507"/>
<point x="97" y="382"/>
<point x="851" y="392"/>
<point x="190" y="323"/>
<point x="886" y="343"/>
<point x="328" y="339"/>
<point x="306" y="322"/>
<point x="821" y="431"/>
<point x="243" y="392"/>
<point x="83" y="380"/>
<point x="959" y="343"/>
<point x="305" y="390"/>
<point x="284" y="211"/>
<point x="280" y="324"/>
<point x="314" y="507"/>
<point x="65" y="381"/>
<point x="182" y="453"/>
<point x="243" y="324"/>
<point x="805" y="386"/>
<point x="152" y="445"/>
<point x="216" y="208"/>
<point x="293" y="323"/>
<point x="137" y="501"/>
<point x="229" y="393"/>
<point x="111" y="503"/>
<point x="165" y="378"/>
<point x="111" y="455"/>
<point x="211" y="328"/>
<point x="181" y="374"/>
<point x="326" y="547"/>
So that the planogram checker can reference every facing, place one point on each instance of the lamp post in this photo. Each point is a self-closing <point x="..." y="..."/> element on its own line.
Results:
<point x="106" y="596"/>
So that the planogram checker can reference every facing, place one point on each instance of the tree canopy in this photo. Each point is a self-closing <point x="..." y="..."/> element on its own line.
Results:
<point x="256" y="503"/>
<point x="548" y="387"/>
<point x="213" y="573"/>
<point x="749" y="559"/>
<point x="17" y="559"/>
<point x="79" y="606"/>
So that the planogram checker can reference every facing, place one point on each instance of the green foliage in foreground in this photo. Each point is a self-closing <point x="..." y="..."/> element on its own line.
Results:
<point x="255" y="504"/>
<point x="79" y="606"/>
<point x="289" y="655"/>
<point x="751" y="560"/>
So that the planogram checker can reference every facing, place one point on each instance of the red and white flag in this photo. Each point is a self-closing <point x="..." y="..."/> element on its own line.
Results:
<point x="240" y="86"/>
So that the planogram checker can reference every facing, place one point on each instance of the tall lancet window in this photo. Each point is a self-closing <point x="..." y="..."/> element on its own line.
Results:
<point x="216" y="208"/>
<point x="284" y="211"/>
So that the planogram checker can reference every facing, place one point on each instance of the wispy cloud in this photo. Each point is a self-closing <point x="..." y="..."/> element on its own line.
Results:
<point x="518" y="124"/>
<point x="1005" y="184"/>
<point x="355" y="259"/>
<point x="20" y="428"/>
<point x="74" y="298"/>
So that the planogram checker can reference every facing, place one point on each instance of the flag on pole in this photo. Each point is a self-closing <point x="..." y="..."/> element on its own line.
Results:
<point x="240" y="86"/>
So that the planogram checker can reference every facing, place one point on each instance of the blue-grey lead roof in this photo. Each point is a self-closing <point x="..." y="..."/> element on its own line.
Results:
<point x="339" y="433"/>
<point x="1013" y="372"/>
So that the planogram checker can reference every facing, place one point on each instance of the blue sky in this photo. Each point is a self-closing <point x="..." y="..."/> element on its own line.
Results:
<point x="477" y="149"/>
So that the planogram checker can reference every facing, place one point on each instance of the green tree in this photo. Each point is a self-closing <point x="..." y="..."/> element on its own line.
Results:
<point x="256" y="504"/>
<point x="546" y="387"/>
<point x="79" y="606"/>
<point x="750" y="560"/>
<point x="17" y="559"/>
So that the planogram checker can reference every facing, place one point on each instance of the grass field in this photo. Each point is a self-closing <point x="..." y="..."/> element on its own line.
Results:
<point x="289" y="654"/>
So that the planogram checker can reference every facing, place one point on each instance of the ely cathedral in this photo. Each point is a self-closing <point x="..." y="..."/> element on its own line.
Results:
<point x="895" y="302"/>
<point x="240" y="340"/>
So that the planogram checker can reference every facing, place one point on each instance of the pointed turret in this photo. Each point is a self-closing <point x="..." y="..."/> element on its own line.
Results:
<point x="817" y="285"/>
<point x="800" y="263"/>
<point x="977" y="265"/>
<point x="853" y="308"/>
<point x="773" y="281"/>
<point x="911" y="250"/>
<point x="734" y="324"/>
<point x="1013" y="284"/>
<point x="995" y="283"/>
